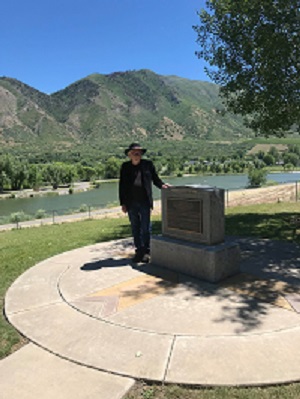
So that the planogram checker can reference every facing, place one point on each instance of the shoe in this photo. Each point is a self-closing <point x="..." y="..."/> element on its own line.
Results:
<point x="145" y="258"/>
<point x="137" y="258"/>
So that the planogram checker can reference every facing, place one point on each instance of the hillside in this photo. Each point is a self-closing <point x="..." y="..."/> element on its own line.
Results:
<point x="120" y="107"/>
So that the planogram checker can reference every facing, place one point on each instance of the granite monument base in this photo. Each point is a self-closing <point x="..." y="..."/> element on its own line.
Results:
<point x="211" y="263"/>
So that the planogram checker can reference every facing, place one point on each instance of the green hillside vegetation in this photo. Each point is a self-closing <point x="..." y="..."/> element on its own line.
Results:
<point x="25" y="120"/>
<point x="117" y="108"/>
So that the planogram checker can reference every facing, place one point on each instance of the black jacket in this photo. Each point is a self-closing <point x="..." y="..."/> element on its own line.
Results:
<point x="149" y="175"/>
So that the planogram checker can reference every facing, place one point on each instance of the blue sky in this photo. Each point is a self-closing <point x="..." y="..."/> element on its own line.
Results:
<point x="51" y="44"/>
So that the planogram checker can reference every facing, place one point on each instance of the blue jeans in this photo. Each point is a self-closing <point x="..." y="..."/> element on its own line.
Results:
<point x="139" y="216"/>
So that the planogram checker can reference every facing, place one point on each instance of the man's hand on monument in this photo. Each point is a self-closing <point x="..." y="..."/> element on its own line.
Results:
<point x="124" y="208"/>
<point x="166" y="185"/>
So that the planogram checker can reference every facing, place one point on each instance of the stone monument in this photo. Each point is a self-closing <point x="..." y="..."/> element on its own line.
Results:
<point x="193" y="234"/>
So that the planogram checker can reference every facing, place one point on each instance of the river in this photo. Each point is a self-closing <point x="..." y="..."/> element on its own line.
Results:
<point x="107" y="194"/>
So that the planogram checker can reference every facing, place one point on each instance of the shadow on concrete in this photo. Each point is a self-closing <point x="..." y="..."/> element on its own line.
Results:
<point x="273" y="267"/>
<point x="270" y="271"/>
<point x="109" y="262"/>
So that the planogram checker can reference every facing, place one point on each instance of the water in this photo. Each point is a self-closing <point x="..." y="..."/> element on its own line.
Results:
<point x="108" y="193"/>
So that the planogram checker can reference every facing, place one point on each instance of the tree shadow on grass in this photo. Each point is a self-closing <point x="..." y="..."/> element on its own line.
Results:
<point x="277" y="226"/>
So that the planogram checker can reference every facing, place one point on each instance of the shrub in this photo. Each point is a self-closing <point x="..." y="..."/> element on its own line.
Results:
<point x="40" y="214"/>
<point x="83" y="208"/>
<point x="18" y="217"/>
<point x="257" y="177"/>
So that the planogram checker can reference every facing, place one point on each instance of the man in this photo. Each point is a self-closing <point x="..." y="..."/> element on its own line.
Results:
<point x="135" y="194"/>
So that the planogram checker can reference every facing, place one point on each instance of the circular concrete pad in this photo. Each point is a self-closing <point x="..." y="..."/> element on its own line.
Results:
<point x="94" y="307"/>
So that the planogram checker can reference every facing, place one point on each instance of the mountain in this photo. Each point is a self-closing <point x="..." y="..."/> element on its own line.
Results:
<point x="119" y="107"/>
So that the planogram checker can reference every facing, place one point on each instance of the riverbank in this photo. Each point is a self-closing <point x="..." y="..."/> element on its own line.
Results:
<point x="80" y="187"/>
<point x="46" y="191"/>
<point x="273" y="194"/>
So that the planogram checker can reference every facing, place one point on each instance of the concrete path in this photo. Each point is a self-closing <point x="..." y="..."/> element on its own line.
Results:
<point x="33" y="373"/>
<point x="109" y="322"/>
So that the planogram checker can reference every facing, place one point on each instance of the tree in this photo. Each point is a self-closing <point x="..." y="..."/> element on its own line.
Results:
<point x="294" y="148"/>
<point x="260" y="154"/>
<point x="35" y="176"/>
<point x="171" y="166"/>
<point x="52" y="174"/>
<point x="99" y="168"/>
<point x="290" y="157"/>
<point x="269" y="159"/>
<point x="112" y="168"/>
<point x="275" y="153"/>
<point x="3" y="180"/>
<point x="257" y="177"/>
<point x="253" y="47"/>
<point x="86" y="173"/>
<point x="288" y="166"/>
<point x="3" y="175"/>
<point x="68" y="174"/>
<point x="19" y="173"/>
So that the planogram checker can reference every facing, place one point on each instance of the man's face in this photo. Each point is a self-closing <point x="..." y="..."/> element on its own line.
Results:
<point x="135" y="155"/>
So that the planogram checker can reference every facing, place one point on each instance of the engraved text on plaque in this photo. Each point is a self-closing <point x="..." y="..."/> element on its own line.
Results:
<point x="185" y="214"/>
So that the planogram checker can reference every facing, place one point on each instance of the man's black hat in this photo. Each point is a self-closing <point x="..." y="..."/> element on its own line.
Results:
<point x="135" y="146"/>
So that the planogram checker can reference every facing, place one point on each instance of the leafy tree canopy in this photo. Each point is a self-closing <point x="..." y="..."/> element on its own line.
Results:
<point x="253" y="48"/>
<point x="257" y="177"/>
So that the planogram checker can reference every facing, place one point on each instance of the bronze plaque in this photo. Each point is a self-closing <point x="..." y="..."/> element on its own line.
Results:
<point x="185" y="214"/>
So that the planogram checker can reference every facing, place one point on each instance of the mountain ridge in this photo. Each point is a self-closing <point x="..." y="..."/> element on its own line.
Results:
<point x="131" y="105"/>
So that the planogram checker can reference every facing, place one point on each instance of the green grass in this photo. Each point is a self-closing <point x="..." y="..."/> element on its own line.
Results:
<point x="263" y="220"/>
<point x="21" y="249"/>
<point x="144" y="391"/>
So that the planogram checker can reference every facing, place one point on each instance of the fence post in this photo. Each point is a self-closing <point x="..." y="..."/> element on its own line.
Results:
<point x="296" y="199"/>
<point x="89" y="211"/>
<point x="227" y="196"/>
<point x="53" y="217"/>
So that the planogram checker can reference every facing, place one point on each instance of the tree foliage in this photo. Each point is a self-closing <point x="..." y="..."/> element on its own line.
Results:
<point x="257" y="177"/>
<point x="253" y="48"/>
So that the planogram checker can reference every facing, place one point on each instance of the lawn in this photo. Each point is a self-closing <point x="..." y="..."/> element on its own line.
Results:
<point x="21" y="249"/>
